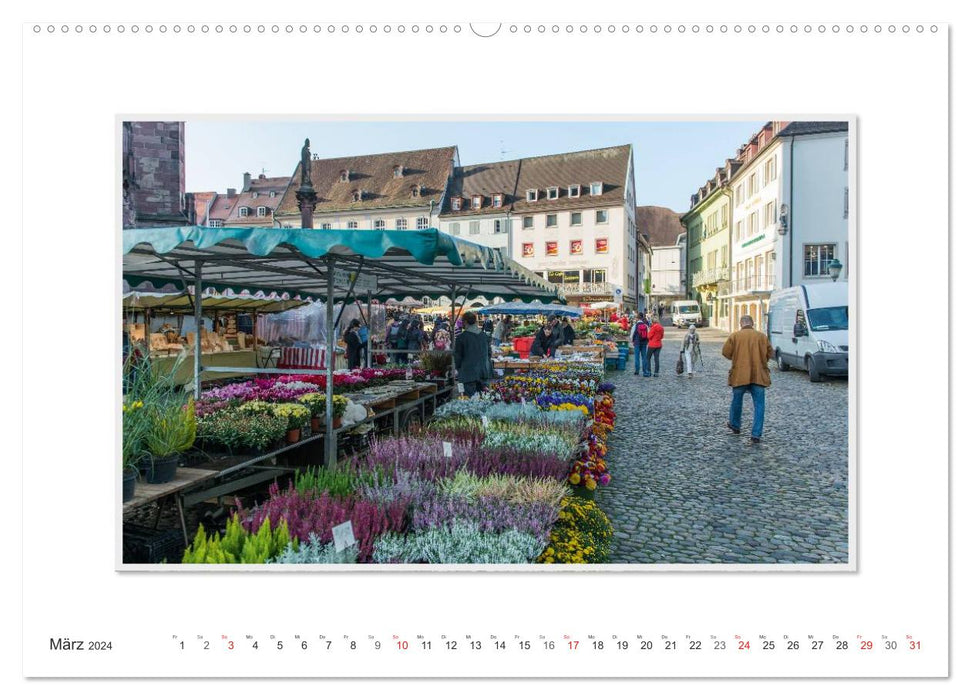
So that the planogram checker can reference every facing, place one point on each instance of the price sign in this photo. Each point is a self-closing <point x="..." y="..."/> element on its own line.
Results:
<point x="343" y="536"/>
<point x="409" y="373"/>
<point x="447" y="449"/>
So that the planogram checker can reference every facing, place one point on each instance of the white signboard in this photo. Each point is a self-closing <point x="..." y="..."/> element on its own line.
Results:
<point x="362" y="282"/>
<point x="343" y="536"/>
<point x="618" y="294"/>
<point x="447" y="449"/>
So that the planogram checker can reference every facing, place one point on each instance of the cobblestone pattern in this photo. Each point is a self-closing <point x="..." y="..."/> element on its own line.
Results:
<point x="686" y="490"/>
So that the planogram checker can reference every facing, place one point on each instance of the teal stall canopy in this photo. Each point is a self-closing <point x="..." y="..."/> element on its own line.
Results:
<point x="293" y="262"/>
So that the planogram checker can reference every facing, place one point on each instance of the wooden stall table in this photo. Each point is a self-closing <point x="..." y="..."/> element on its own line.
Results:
<point x="183" y="373"/>
<point x="185" y="478"/>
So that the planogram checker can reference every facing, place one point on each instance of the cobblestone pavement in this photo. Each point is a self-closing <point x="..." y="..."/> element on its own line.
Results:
<point x="686" y="490"/>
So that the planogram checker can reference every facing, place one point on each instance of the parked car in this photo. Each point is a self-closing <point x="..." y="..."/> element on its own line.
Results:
<point x="684" y="313"/>
<point x="809" y="328"/>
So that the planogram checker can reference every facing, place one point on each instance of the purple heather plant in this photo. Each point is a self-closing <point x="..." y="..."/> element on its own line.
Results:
<point x="490" y="514"/>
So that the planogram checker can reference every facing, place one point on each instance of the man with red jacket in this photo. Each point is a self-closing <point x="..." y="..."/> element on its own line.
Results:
<point x="655" y="334"/>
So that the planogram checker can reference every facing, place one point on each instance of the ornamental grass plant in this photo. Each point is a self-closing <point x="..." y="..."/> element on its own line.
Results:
<point x="461" y="542"/>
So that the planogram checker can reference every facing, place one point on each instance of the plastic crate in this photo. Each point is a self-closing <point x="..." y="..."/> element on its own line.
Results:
<point x="143" y="545"/>
<point x="622" y="363"/>
<point x="613" y="362"/>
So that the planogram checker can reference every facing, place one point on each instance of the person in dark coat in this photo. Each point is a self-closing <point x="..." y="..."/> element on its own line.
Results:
<point x="352" y="339"/>
<point x="569" y="335"/>
<point x="543" y="343"/>
<point x="473" y="362"/>
<point x="416" y="338"/>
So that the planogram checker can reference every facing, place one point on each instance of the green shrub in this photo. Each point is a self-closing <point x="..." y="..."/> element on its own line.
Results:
<point x="313" y="552"/>
<point x="238" y="546"/>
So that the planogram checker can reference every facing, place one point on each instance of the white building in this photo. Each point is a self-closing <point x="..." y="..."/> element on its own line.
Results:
<point x="815" y="190"/>
<point x="666" y="265"/>
<point x="388" y="191"/>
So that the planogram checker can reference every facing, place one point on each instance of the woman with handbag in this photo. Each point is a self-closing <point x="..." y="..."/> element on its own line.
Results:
<point x="691" y="351"/>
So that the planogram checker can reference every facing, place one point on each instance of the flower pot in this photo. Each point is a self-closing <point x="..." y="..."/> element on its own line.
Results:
<point x="163" y="469"/>
<point x="144" y="466"/>
<point x="336" y="423"/>
<point x="315" y="424"/>
<point x="293" y="435"/>
<point x="128" y="479"/>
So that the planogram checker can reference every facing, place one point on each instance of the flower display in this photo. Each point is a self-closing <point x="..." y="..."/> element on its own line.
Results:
<point x="295" y="414"/>
<point x="581" y="535"/>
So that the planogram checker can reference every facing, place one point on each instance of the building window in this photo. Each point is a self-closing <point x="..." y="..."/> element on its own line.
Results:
<point x="325" y="227"/>
<point x="595" y="276"/>
<point x="753" y="183"/>
<point x="401" y="224"/>
<point x="497" y="200"/>
<point x="456" y="203"/>
<point x="345" y="176"/>
<point x="244" y="211"/>
<point x="527" y="250"/>
<point x="421" y="223"/>
<point x="453" y="229"/>
<point x="473" y="228"/>
<point x="552" y="248"/>
<point x="576" y="247"/>
<point x="816" y="259"/>
<point x="753" y="223"/>
<point x="740" y="230"/>
<point x="555" y="276"/>
<point x="574" y="191"/>
<point x="600" y="245"/>
<point x="552" y="192"/>
<point x="846" y="154"/>
<point x="356" y="196"/>
<point x="352" y="225"/>
<point x="601" y="217"/>
<point x="739" y="195"/>
<point x="497" y="226"/>
<point x="532" y="195"/>
<point x="551" y="221"/>
<point x="379" y="224"/>
<point x="846" y="202"/>
<point x="771" y="215"/>
<point x="596" y="188"/>
<point x="416" y="191"/>
<point x="398" y="171"/>
<point x="215" y="223"/>
<point x="477" y="201"/>
<point x="576" y="218"/>
<point x="527" y="222"/>
<point x="769" y="174"/>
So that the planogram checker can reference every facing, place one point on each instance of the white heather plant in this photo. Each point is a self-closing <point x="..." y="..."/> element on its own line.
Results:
<point x="461" y="543"/>
<point x="313" y="552"/>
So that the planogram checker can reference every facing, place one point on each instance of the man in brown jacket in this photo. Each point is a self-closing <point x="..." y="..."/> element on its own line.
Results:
<point x="749" y="352"/>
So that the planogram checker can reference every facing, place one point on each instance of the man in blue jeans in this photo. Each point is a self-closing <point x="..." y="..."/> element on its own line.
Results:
<point x="638" y="341"/>
<point x="750" y="351"/>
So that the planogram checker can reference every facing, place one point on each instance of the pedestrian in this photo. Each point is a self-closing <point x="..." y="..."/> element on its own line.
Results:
<point x="750" y="351"/>
<point x="441" y="339"/>
<point x="557" y="334"/>
<point x="660" y="311"/>
<point x="415" y="338"/>
<point x="499" y="332"/>
<point x="363" y="333"/>
<point x="488" y="326"/>
<point x="353" y="342"/>
<point x="543" y="344"/>
<point x="691" y="351"/>
<point x="655" y="335"/>
<point x="472" y="357"/>
<point x="569" y="335"/>
<point x="624" y="323"/>
<point x="638" y="338"/>
<point x="507" y="325"/>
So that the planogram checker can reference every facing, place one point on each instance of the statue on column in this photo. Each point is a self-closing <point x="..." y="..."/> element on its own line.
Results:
<point x="305" y="180"/>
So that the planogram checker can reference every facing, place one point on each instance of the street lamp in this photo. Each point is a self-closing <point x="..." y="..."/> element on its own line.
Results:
<point x="835" y="267"/>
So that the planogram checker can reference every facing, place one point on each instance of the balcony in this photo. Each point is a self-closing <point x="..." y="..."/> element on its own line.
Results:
<point x="578" y="288"/>
<point x="712" y="276"/>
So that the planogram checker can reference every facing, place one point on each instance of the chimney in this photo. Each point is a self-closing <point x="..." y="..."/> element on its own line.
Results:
<point x="247" y="181"/>
<point x="231" y="192"/>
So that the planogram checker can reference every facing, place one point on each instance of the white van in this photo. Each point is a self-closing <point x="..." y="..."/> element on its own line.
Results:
<point x="809" y="328"/>
<point x="684" y="313"/>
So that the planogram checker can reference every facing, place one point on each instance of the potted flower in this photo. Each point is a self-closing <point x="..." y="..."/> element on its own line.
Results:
<point x="132" y="436"/>
<point x="317" y="403"/>
<point x="297" y="416"/>
<point x="340" y="405"/>
<point x="170" y="431"/>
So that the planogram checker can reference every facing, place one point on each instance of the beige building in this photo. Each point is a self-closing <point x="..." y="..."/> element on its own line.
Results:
<point x="387" y="191"/>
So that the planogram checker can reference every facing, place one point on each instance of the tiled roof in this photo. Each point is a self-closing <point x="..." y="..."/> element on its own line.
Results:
<point x="223" y="207"/>
<point x="263" y="192"/>
<point x="606" y="165"/>
<point x="374" y="176"/>
<point x="805" y="128"/>
<point x="660" y="224"/>
<point x="484" y="179"/>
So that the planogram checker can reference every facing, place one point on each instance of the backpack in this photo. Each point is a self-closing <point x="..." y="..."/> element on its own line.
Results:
<point x="642" y="330"/>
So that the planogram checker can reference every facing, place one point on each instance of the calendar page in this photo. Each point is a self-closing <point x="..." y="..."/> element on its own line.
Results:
<point x="386" y="342"/>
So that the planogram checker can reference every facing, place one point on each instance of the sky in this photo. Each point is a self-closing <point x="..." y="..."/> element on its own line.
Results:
<point x="671" y="159"/>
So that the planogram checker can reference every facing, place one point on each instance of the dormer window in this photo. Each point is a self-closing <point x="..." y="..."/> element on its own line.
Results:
<point x="497" y="200"/>
<point x="457" y="203"/>
<point x="532" y="195"/>
<point x="477" y="201"/>
<point x="244" y="211"/>
<point x="552" y="192"/>
<point x="596" y="188"/>
<point x="416" y="190"/>
<point x="345" y="176"/>
<point x="261" y="211"/>
<point x="574" y="191"/>
<point x="255" y="195"/>
<point x="398" y="171"/>
<point x="272" y="193"/>
<point x="356" y="195"/>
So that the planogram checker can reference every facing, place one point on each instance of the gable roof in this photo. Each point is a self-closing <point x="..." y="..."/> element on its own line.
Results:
<point x="483" y="179"/>
<point x="223" y="207"/>
<point x="606" y="165"/>
<point x="660" y="225"/>
<point x="806" y="128"/>
<point x="373" y="175"/>
<point x="263" y="192"/>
